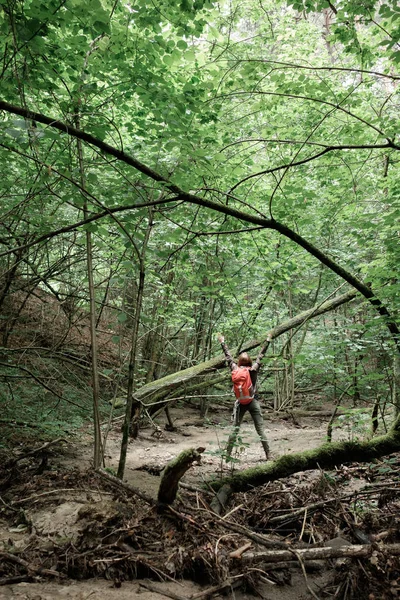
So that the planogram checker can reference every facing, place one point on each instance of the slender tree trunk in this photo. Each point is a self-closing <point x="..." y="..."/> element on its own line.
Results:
<point x="131" y="376"/>
<point x="210" y="329"/>
<point x="10" y="323"/>
<point x="396" y="384"/>
<point x="291" y="374"/>
<point x="132" y="404"/>
<point x="356" y="388"/>
<point x="153" y="357"/>
<point x="105" y="298"/>
<point x="93" y="337"/>
<point x="9" y="277"/>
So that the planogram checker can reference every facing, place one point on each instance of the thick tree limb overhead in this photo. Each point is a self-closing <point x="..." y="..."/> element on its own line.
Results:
<point x="190" y="198"/>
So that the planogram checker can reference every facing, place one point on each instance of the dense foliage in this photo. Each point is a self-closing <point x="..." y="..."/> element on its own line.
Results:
<point x="286" y="112"/>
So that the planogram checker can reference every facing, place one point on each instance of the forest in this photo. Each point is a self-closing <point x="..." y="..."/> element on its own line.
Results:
<point x="174" y="171"/>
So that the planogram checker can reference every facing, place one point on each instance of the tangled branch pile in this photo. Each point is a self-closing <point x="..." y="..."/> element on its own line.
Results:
<point x="349" y="516"/>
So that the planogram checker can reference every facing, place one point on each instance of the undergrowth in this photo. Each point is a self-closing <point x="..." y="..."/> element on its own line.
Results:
<point x="54" y="404"/>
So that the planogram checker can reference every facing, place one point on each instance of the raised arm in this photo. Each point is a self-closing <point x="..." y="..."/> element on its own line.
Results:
<point x="231" y="363"/>
<point x="261" y="354"/>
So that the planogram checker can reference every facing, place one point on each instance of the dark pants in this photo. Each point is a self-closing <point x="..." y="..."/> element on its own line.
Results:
<point x="255" y="412"/>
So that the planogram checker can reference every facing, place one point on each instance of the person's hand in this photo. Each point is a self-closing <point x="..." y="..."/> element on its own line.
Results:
<point x="221" y="338"/>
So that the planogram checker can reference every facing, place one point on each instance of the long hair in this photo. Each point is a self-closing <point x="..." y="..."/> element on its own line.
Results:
<point x="244" y="360"/>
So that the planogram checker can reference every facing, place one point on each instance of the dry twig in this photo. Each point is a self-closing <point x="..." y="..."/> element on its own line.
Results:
<point x="321" y="553"/>
<point x="31" y="568"/>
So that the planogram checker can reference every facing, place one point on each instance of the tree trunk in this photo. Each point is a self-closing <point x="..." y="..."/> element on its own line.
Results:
<point x="133" y="404"/>
<point x="174" y="471"/>
<point x="396" y="384"/>
<point x="97" y="452"/>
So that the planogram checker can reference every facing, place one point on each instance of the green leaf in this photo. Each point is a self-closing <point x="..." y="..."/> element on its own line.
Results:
<point x="189" y="55"/>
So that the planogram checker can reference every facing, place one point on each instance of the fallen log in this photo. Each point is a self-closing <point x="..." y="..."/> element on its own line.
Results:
<point x="326" y="456"/>
<point x="321" y="553"/>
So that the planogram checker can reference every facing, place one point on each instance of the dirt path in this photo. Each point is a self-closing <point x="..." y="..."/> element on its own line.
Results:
<point x="149" y="453"/>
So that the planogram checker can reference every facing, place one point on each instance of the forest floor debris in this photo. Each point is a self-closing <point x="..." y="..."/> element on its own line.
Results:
<point x="68" y="523"/>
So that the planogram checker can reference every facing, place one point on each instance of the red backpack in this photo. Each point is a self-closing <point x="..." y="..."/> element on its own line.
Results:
<point x="242" y="386"/>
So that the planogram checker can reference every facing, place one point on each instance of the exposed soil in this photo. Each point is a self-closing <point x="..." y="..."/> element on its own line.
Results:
<point x="60" y="515"/>
<point x="153" y="450"/>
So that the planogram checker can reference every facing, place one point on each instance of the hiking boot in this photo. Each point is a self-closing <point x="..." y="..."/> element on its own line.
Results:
<point x="266" y="449"/>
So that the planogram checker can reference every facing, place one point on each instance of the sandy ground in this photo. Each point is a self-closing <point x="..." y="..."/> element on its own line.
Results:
<point x="103" y="590"/>
<point x="150" y="452"/>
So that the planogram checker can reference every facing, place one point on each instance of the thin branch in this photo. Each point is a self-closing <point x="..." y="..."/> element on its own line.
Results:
<point x="309" y="159"/>
<point x="42" y="383"/>
<point x="309" y="98"/>
<point x="312" y="68"/>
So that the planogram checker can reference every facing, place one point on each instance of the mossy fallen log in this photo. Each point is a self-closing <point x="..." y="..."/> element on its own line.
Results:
<point x="326" y="456"/>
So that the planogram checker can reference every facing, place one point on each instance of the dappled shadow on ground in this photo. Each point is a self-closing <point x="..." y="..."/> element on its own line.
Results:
<point x="60" y="521"/>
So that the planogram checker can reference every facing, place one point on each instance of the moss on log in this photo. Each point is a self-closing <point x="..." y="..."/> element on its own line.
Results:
<point x="326" y="456"/>
<point x="173" y="473"/>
